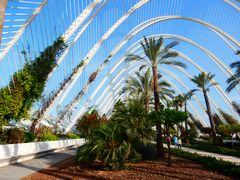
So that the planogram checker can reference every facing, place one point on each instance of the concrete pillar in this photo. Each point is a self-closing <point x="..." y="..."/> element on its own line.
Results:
<point x="3" y="4"/>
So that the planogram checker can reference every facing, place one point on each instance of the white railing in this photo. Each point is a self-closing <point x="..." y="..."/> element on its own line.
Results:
<point x="12" y="153"/>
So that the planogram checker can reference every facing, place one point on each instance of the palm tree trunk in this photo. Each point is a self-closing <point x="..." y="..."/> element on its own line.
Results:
<point x="186" y="127"/>
<point x="159" y="138"/>
<point x="210" y="116"/>
<point x="146" y="101"/>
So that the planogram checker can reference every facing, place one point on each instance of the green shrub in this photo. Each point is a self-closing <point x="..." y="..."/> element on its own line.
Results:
<point x="205" y="146"/>
<point x="45" y="133"/>
<point x="29" y="137"/>
<point x="72" y="136"/>
<point x="109" y="145"/>
<point x="48" y="137"/>
<point x="212" y="163"/>
<point x="3" y="136"/>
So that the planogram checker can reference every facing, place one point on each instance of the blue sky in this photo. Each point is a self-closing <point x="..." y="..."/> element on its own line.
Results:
<point x="55" y="21"/>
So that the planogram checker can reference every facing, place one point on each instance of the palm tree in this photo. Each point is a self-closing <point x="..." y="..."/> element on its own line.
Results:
<point x="236" y="107"/>
<point x="140" y="85"/>
<point x="203" y="82"/>
<point x="156" y="54"/>
<point x="177" y="102"/>
<point x="185" y="98"/>
<point x="234" y="80"/>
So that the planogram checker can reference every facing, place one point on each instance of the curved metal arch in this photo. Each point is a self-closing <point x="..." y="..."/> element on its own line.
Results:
<point x="146" y="24"/>
<point x="95" y="48"/>
<point x="216" y="60"/>
<point x="161" y="18"/>
<point x="233" y="5"/>
<point x="22" y="29"/>
<point x="208" y="53"/>
<point x="64" y="54"/>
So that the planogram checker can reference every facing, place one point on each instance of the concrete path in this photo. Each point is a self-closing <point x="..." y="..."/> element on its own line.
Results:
<point x="19" y="170"/>
<point x="204" y="153"/>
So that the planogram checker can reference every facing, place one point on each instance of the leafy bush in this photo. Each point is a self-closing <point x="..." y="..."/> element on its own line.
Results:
<point x="15" y="135"/>
<point x="89" y="122"/>
<point x="224" y="167"/>
<point x="108" y="144"/>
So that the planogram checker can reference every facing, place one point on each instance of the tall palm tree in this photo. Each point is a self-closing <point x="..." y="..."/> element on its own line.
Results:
<point x="234" y="80"/>
<point x="157" y="54"/>
<point x="185" y="98"/>
<point x="203" y="82"/>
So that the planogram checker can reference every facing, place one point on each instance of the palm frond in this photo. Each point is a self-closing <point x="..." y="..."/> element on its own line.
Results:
<point x="132" y="57"/>
<point x="171" y="45"/>
<point x="142" y="67"/>
<point x="169" y="54"/>
<point x="235" y="64"/>
<point x="174" y="63"/>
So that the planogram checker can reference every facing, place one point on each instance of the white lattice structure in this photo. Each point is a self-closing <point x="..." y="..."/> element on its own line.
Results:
<point x="101" y="33"/>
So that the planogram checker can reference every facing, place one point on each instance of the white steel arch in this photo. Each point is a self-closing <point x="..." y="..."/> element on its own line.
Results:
<point x="208" y="53"/>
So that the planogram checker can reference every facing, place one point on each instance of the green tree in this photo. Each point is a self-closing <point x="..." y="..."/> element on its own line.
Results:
<point x="169" y="118"/>
<point x="156" y="54"/>
<point x="203" y="82"/>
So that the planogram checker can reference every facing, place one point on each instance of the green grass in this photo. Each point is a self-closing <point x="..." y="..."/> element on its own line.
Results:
<point x="205" y="146"/>
<point x="212" y="163"/>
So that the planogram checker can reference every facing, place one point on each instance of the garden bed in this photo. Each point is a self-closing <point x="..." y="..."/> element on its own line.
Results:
<point x="157" y="169"/>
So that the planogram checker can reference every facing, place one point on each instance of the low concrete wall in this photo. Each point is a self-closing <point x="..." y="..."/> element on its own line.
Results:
<point x="12" y="153"/>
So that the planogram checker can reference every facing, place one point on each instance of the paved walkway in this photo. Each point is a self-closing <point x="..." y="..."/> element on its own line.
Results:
<point x="204" y="153"/>
<point x="19" y="170"/>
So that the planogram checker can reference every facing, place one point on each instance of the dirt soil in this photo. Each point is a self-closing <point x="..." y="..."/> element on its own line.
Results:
<point x="148" y="170"/>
